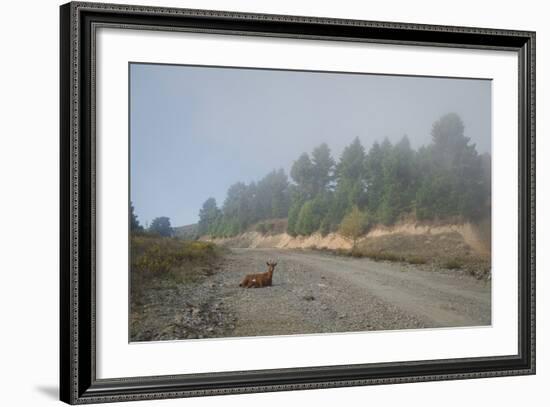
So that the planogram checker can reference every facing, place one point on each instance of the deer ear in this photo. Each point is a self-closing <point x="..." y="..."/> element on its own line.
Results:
<point x="267" y="263"/>
<point x="274" y="264"/>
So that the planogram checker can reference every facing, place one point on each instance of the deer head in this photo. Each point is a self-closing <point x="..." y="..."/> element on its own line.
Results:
<point x="271" y="266"/>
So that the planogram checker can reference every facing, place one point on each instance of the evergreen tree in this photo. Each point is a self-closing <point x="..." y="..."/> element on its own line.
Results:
<point x="302" y="174"/>
<point x="237" y="208"/>
<point x="208" y="217"/>
<point x="161" y="226"/>
<point x="454" y="180"/>
<point x="352" y="162"/>
<point x="307" y="221"/>
<point x="350" y="181"/>
<point x="293" y="215"/>
<point x="444" y="179"/>
<point x="322" y="169"/>
<point x="135" y="226"/>
<point x="398" y="175"/>
<point x="272" y="196"/>
<point x="374" y="177"/>
<point x="311" y="214"/>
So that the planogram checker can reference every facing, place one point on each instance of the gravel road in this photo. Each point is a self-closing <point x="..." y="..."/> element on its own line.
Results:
<point x="314" y="292"/>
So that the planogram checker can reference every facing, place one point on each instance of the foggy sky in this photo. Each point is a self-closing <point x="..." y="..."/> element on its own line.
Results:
<point x="197" y="130"/>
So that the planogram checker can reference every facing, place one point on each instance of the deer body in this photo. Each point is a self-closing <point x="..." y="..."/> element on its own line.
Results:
<point x="260" y="279"/>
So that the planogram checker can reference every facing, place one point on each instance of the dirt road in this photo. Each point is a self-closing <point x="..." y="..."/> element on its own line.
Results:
<point x="314" y="292"/>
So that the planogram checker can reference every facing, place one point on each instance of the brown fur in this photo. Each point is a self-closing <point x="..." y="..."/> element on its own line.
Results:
<point x="260" y="279"/>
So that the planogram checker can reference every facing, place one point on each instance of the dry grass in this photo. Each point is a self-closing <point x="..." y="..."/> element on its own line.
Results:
<point x="445" y="250"/>
<point x="391" y="256"/>
<point x="442" y="251"/>
<point x="166" y="262"/>
<point x="375" y="255"/>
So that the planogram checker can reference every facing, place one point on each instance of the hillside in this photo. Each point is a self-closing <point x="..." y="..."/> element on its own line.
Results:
<point x="463" y="246"/>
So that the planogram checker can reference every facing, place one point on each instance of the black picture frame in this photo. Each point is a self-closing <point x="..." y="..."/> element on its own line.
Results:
<point x="78" y="382"/>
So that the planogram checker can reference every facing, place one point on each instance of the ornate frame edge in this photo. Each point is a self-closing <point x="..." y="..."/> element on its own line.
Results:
<point x="70" y="92"/>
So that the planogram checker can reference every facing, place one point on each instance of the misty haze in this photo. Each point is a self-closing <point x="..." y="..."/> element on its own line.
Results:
<point x="275" y="202"/>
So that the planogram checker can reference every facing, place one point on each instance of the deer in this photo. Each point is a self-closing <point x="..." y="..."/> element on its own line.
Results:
<point x="260" y="279"/>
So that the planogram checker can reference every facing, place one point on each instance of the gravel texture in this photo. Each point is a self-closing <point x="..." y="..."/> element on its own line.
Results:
<point x="312" y="292"/>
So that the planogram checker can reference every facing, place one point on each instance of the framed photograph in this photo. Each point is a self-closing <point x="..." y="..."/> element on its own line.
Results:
<point x="255" y="203"/>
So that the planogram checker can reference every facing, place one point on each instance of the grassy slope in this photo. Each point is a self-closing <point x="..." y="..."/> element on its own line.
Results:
<point x="169" y="261"/>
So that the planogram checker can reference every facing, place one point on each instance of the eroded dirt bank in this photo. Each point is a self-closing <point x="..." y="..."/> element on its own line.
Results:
<point x="473" y="235"/>
<point x="464" y="247"/>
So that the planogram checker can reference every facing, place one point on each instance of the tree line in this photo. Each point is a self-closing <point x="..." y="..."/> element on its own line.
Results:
<point x="159" y="226"/>
<point x="446" y="179"/>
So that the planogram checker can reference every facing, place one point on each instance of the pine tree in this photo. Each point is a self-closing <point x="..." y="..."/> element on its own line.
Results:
<point x="135" y="226"/>
<point x="322" y="169"/>
<point x="208" y="217"/>
<point x="161" y="226"/>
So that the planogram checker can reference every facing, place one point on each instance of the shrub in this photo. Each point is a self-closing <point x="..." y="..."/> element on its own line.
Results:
<point x="453" y="264"/>
<point x="153" y="257"/>
<point x="353" y="225"/>
<point x="416" y="260"/>
<point x="261" y="228"/>
<point x="161" y="226"/>
<point x="325" y="227"/>
<point x="383" y="256"/>
<point x="342" y="252"/>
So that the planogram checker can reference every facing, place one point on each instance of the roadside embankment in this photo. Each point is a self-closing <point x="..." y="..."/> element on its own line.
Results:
<point x="463" y="246"/>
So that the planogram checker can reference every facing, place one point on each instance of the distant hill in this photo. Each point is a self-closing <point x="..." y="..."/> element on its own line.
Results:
<point x="188" y="232"/>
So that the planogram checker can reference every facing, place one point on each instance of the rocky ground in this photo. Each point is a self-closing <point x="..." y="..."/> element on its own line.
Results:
<point x="312" y="292"/>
